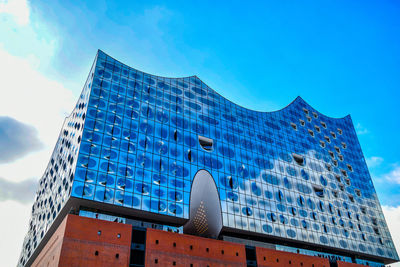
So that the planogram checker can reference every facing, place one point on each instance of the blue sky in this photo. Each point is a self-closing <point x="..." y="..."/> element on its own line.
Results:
<point x="342" y="57"/>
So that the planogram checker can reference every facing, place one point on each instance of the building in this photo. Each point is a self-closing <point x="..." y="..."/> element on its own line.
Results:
<point x="170" y="153"/>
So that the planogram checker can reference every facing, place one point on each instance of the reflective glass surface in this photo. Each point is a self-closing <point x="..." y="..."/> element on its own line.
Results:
<point x="293" y="173"/>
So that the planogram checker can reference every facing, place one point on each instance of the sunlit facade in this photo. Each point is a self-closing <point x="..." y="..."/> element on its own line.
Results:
<point x="142" y="146"/>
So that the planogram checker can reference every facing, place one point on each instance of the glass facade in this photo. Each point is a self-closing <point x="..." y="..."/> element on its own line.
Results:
<point x="137" y="140"/>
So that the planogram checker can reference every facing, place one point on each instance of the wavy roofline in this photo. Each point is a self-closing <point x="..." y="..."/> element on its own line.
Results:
<point x="298" y="98"/>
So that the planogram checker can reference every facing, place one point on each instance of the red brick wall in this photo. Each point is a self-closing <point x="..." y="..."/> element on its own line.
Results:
<point x="81" y="241"/>
<point x="161" y="251"/>
<point x="275" y="258"/>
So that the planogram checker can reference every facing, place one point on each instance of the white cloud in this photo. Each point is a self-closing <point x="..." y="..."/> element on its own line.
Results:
<point x="13" y="227"/>
<point x="17" y="9"/>
<point x="361" y="130"/>
<point x="392" y="216"/>
<point x="373" y="161"/>
<point x="393" y="176"/>
<point x="32" y="98"/>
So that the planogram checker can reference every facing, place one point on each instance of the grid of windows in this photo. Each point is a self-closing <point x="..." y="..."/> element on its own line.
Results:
<point x="144" y="138"/>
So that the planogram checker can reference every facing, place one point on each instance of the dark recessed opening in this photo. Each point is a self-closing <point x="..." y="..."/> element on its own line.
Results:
<point x="328" y="167"/>
<point x="337" y="149"/>
<point x="155" y="261"/>
<point x="317" y="128"/>
<point x="343" y="172"/>
<point x="331" y="154"/>
<point x="176" y="135"/>
<point x="319" y="191"/>
<point x="322" y="144"/>
<point x="335" y="193"/>
<point x="347" y="180"/>
<point x="311" y="132"/>
<point x="207" y="249"/>
<point x="174" y="263"/>
<point x="344" y="145"/>
<point x="315" y="115"/>
<point x="341" y="187"/>
<point x="294" y="126"/>
<point x="191" y="247"/>
<point x="335" y="162"/>
<point x="340" y="157"/>
<point x="157" y="242"/>
<point x="358" y="192"/>
<point x="117" y="255"/>
<point x="96" y="253"/>
<point x="302" y="123"/>
<point x="277" y="260"/>
<point x="376" y="230"/>
<point x="305" y="111"/>
<point x="237" y="254"/>
<point x="206" y="143"/>
<point x="349" y="167"/>
<point x="298" y="158"/>
<point x="174" y="244"/>
<point x="327" y="139"/>
<point x="340" y="131"/>
<point x="190" y="155"/>
<point x="323" y="124"/>
<point x="351" y="198"/>
<point x="363" y="210"/>
<point x="222" y="251"/>
<point x="309" y="119"/>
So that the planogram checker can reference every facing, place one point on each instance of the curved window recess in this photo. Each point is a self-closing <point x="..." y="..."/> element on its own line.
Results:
<point x="338" y="178"/>
<point x="302" y="123"/>
<point x="309" y="119"/>
<point x="176" y="135"/>
<point x="351" y="198"/>
<point x="305" y="111"/>
<point x="333" y="135"/>
<point x="331" y="154"/>
<point x="341" y="187"/>
<point x="349" y="167"/>
<point x="189" y="155"/>
<point x="311" y="132"/>
<point x="376" y="230"/>
<point x="337" y="149"/>
<point x="294" y="126"/>
<point x="347" y="180"/>
<point x="328" y="167"/>
<point x="363" y="209"/>
<point x="339" y="131"/>
<point x="315" y="115"/>
<point x="335" y="163"/>
<point x="374" y="221"/>
<point x="231" y="183"/>
<point x="319" y="191"/>
<point x="335" y="194"/>
<point x="298" y="158"/>
<point x="344" y="145"/>
<point x="323" y="124"/>
<point x="206" y="143"/>
<point x="322" y="144"/>
<point x="340" y="156"/>
<point x="358" y="192"/>
<point x="327" y="139"/>
<point x="343" y="172"/>
<point x="317" y="128"/>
